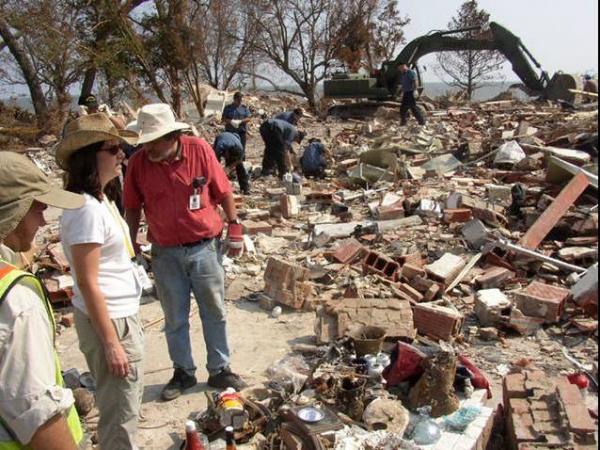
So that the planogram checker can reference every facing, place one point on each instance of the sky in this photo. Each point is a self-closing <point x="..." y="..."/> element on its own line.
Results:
<point x="561" y="35"/>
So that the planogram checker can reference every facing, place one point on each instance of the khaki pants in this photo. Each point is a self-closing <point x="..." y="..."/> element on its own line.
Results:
<point x="118" y="399"/>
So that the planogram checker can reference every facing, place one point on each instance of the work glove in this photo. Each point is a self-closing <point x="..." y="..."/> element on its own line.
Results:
<point x="234" y="244"/>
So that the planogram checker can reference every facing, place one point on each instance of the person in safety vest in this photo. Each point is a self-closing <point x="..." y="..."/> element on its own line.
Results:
<point x="36" y="410"/>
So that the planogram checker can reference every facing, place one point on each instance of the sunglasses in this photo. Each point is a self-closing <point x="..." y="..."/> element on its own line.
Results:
<point x="113" y="150"/>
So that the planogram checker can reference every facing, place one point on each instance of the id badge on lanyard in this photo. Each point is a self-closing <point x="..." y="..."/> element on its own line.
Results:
<point x="196" y="197"/>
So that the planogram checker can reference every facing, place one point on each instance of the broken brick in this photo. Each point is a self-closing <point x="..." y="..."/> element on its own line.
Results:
<point x="409" y="271"/>
<point x="253" y="228"/>
<point x="494" y="277"/>
<point x="552" y="215"/>
<point x="543" y="301"/>
<point x="381" y="265"/>
<point x="574" y="405"/>
<point x="348" y="252"/>
<point x="287" y="283"/>
<point x="289" y="205"/>
<point x="463" y="215"/>
<point x="411" y="292"/>
<point x="437" y="322"/>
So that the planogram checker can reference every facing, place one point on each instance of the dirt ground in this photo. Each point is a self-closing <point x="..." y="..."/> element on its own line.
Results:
<point x="256" y="342"/>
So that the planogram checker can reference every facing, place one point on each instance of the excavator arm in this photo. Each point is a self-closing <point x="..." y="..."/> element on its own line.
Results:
<point x="497" y="38"/>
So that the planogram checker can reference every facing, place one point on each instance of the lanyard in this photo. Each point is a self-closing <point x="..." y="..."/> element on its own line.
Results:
<point x="126" y="237"/>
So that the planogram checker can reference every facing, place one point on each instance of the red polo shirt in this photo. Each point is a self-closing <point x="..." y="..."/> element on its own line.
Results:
<point x="163" y="190"/>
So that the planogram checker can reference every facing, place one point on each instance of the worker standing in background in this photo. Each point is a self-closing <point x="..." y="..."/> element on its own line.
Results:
<point x="228" y="146"/>
<point x="236" y="117"/>
<point x="589" y="85"/>
<point x="179" y="184"/>
<point x="36" y="411"/>
<point x="408" y="81"/>
<point x="291" y="117"/>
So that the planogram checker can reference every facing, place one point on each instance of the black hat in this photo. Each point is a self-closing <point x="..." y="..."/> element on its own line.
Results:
<point x="88" y="101"/>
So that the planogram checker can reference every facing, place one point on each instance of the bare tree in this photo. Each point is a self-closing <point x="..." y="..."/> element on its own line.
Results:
<point x="469" y="70"/>
<point x="297" y="37"/>
<point x="369" y="32"/>
<point x="20" y="54"/>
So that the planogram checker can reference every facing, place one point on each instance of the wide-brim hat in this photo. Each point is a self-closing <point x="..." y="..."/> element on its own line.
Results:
<point x="22" y="182"/>
<point x="155" y="121"/>
<point x="88" y="130"/>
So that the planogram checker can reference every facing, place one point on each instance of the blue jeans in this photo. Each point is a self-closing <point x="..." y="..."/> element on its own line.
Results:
<point x="178" y="271"/>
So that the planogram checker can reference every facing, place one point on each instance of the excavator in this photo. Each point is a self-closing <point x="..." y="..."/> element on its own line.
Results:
<point x="384" y="84"/>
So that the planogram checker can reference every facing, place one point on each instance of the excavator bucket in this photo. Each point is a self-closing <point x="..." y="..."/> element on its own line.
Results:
<point x="558" y="88"/>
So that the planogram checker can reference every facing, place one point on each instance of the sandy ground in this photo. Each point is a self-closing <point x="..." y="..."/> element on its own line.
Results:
<point x="256" y="341"/>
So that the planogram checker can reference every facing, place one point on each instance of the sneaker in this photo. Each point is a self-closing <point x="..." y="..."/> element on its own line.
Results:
<point x="226" y="379"/>
<point x="179" y="383"/>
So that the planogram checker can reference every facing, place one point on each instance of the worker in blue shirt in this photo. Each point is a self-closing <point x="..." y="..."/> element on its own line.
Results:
<point x="236" y="117"/>
<point x="313" y="160"/>
<point x="278" y="136"/>
<point x="408" y="80"/>
<point x="292" y="117"/>
<point x="228" y="146"/>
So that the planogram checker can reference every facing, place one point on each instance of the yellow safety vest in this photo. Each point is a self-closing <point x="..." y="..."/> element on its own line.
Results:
<point x="9" y="276"/>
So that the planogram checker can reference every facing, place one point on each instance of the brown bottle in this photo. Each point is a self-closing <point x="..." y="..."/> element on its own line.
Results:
<point x="229" y="440"/>
<point x="192" y="438"/>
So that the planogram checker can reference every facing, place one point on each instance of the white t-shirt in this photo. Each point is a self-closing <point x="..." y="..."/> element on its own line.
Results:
<point x="96" y="223"/>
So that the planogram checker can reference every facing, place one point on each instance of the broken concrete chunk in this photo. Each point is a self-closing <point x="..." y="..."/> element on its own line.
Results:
<point x="446" y="268"/>
<point x="509" y="154"/>
<point x="489" y="306"/>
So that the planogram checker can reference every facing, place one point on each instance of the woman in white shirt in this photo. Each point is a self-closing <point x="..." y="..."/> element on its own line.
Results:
<point x="107" y="288"/>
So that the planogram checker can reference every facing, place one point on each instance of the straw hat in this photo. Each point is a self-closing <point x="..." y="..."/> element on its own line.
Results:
<point x="155" y="121"/>
<point x="21" y="182"/>
<point x="88" y="130"/>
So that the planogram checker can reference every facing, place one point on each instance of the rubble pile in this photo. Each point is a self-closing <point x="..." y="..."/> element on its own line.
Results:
<point x="440" y="263"/>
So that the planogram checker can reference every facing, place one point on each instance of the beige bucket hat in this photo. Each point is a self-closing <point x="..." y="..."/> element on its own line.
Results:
<point x="88" y="130"/>
<point x="21" y="182"/>
<point x="155" y="121"/>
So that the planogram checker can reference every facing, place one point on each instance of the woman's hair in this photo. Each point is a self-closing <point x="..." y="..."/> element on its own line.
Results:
<point x="82" y="176"/>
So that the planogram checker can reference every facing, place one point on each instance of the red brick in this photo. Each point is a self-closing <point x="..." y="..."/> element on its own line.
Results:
<point x="414" y="259"/>
<point x="411" y="292"/>
<point x="552" y="215"/>
<point x="463" y="215"/>
<point x="253" y="228"/>
<point x="494" y="277"/>
<point x="437" y="322"/>
<point x="514" y="387"/>
<point x="543" y="301"/>
<point x="391" y="212"/>
<point x="381" y="265"/>
<point x="409" y="271"/>
<point x="575" y="408"/>
<point x="348" y="252"/>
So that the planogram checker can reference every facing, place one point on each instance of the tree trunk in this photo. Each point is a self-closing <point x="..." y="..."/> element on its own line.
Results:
<point x="33" y="83"/>
<point x="88" y="82"/>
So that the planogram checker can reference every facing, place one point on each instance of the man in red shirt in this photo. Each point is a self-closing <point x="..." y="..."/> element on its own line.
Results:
<point x="179" y="184"/>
